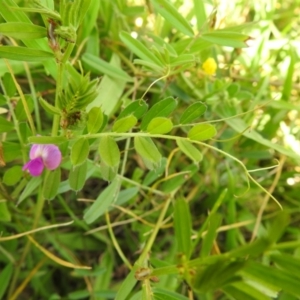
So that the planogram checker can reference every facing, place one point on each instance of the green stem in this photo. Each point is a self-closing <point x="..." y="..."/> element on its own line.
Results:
<point x="15" y="121"/>
<point x="38" y="210"/>
<point x="59" y="84"/>
<point x="101" y="237"/>
<point x="212" y="212"/>
<point x="35" y="101"/>
<point x="143" y="187"/>
<point x="17" y="270"/>
<point x="155" y="231"/>
<point x="115" y="242"/>
<point x="158" y="79"/>
<point x="68" y="52"/>
<point x="125" y="59"/>
<point x="26" y="108"/>
<point x="127" y="145"/>
<point x="175" y="138"/>
<point x="39" y="206"/>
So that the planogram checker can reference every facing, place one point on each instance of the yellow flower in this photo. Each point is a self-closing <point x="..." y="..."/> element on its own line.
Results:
<point x="210" y="66"/>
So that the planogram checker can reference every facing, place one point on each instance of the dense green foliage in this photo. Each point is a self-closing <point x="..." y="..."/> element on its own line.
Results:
<point x="178" y="124"/>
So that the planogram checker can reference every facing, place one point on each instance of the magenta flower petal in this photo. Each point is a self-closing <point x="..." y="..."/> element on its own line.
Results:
<point x="51" y="156"/>
<point x="34" y="166"/>
<point x="43" y="156"/>
<point x="36" y="151"/>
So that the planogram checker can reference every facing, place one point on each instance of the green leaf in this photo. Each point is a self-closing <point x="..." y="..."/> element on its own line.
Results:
<point x="200" y="12"/>
<point x="139" y="49"/>
<point x="244" y="95"/>
<point x="193" y="45"/>
<point x="77" y="295"/>
<point x="109" y="151"/>
<point x="103" y="280"/>
<point x="183" y="59"/>
<point x="104" y="200"/>
<point x="19" y="30"/>
<point x="241" y="290"/>
<point x="43" y="11"/>
<point x="193" y="112"/>
<point x="125" y="124"/>
<point x="77" y="177"/>
<point x="272" y="277"/>
<point x="31" y="186"/>
<point x="202" y="132"/>
<point x="11" y="151"/>
<point x="99" y="66"/>
<point x="10" y="87"/>
<point x="161" y="44"/>
<point x="161" y="109"/>
<point x="215" y="275"/>
<point x="162" y="294"/>
<point x="108" y="173"/>
<point x="5" y="216"/>
<point x="104" y="123"/>
<point x="126" y="195"/>
<point x="149" y="65"/>
<point x="80" y="151"/>
<point x="233" y="89"/>
<point x="153" y="175"/>
<point x="12" y="175"/>
<point x="160" y="125"/>
<point x="47" y="139"/>
<point x="277" y="226"/>
<point x="5" y="126"/>
<point x="109" y="91"/>
<point x="239" y="125"/>
<point x="9" y="11"/>
<point x="24" y="54"/>
<point x="183" y="227"/>
<point x="126" y="286"/>
<point x="81" y="10"/>
<point x="170" y="13"/>
<point x="88" y="27"/>
<point x="251" y="249"/>
<point x="177" y="181"/>
<point x="20" y="110"/>
<point x="189" y="150"/>
<point x="92" y="45"/>
<point x="226" y="38"/>
<point x="145" y="147"/>
<point x="95" y="120"/>
<point x="49" y="107"/>
<point x="288" y="83"/>
<point x="287" y="262"/>
<point x="5" y="277"/>
<point x="136" y="108"/>
<point x="78" y="92"/>
<point x="210" y="236"/>
<point x="51" y="184"/>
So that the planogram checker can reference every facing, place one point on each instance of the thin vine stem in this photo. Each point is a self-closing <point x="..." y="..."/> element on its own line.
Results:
<point x="59" y="83"/>
<point x="35" y="101"/>
<point x="141" y="134"/>
<point x="141" y="260"/>
<point x="115" y="242"/>
<point x="267" y="197"/>
<point x="158" y="79"/>
<point x="26" y="108"/>
<point x="15" y="121"/>
<point x="171" y="137"/>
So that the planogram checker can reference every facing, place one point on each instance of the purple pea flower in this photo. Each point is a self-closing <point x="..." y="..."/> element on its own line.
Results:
<point x="42" y="156"/>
